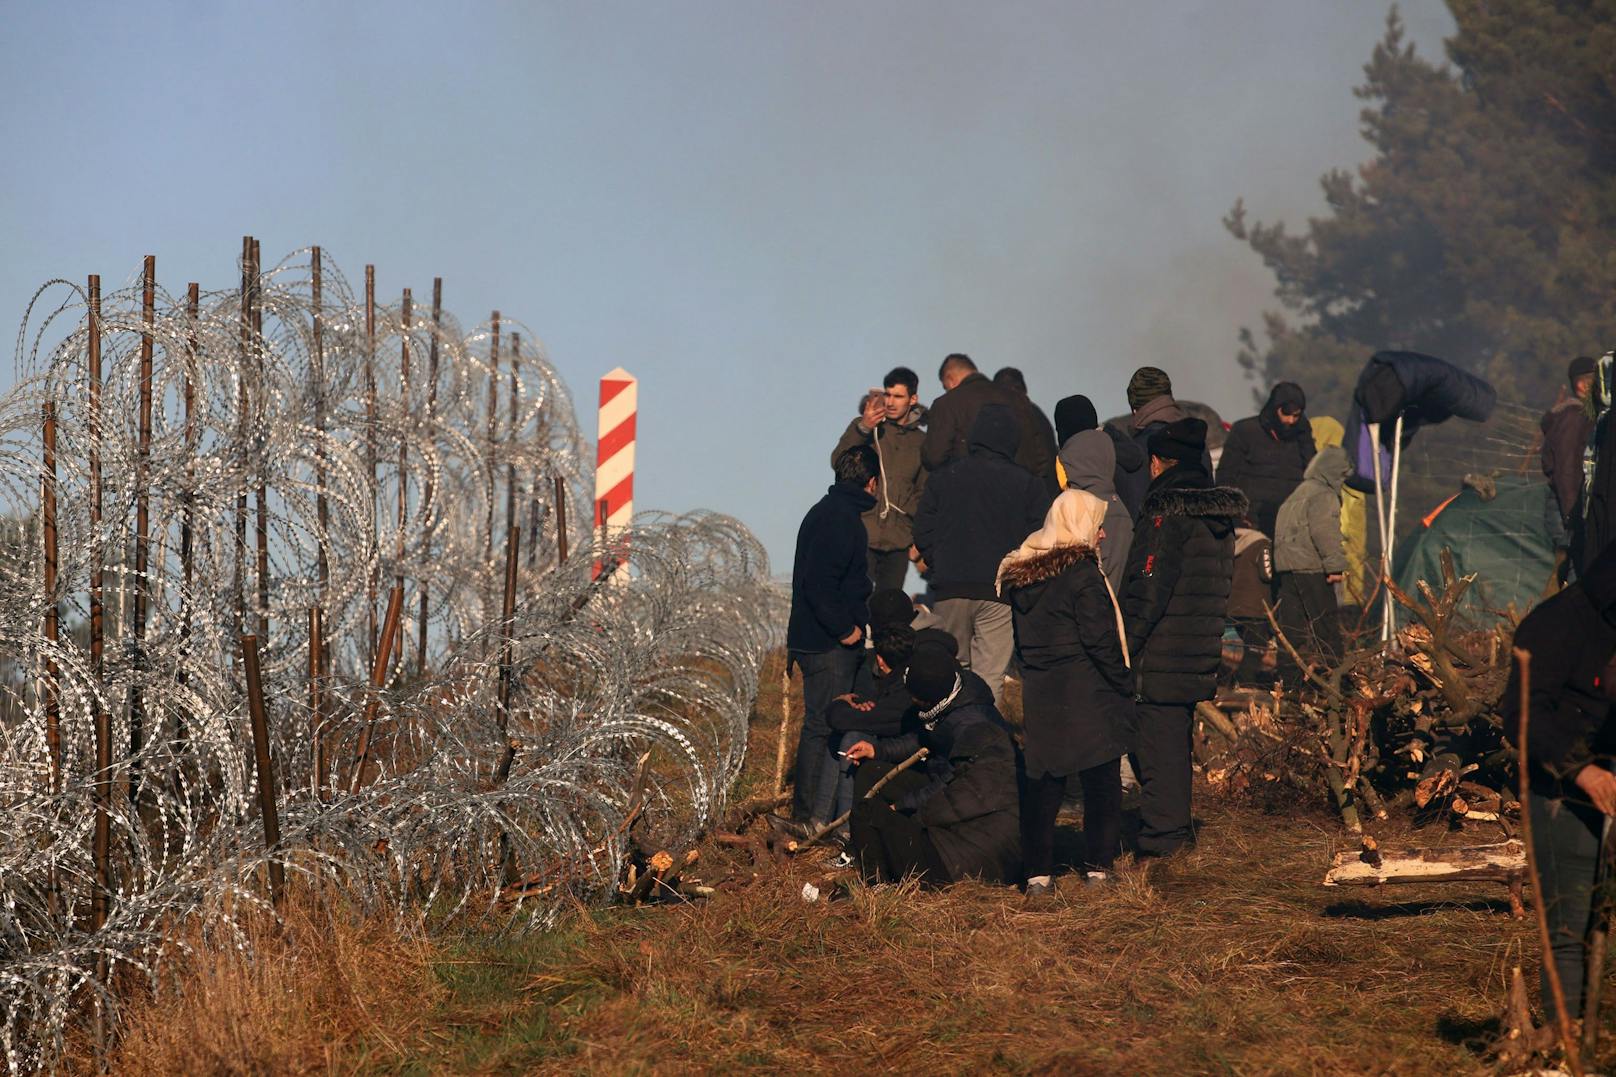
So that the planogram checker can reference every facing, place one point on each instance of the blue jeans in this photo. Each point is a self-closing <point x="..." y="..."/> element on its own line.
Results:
<point x="825" y="675"/>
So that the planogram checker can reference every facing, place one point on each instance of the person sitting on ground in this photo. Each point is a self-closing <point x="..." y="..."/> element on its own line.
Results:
<point x="889" y="608"/>
<point x="957" y="814"/>
<point x="1310" y="559"/>
<point x="1265" y="457"/>
<point x="1077" y="694"/>
<point x="1250" y="594"/>
<point x="893" y="423"/>
<point x="1570" y="739"/>
<point x="885" y="711"/>
<point x="975" y="511"/>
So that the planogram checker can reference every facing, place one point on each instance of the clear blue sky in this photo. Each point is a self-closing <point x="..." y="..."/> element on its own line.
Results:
<point x="758" y="208"/>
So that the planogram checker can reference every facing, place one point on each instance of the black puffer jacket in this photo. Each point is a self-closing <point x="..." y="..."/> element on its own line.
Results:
<point x="1572" y="640"/>
<point x="976" y="510"/>
<point x="1180" y="569"/>
<point x="830" y="576"/>
<point x="1265" y="459"/>
<point x="1076" y="693"/>
<point x="971" y="803"/>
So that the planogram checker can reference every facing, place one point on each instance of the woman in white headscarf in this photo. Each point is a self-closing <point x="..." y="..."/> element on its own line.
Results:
<point x="1077" y="696"/>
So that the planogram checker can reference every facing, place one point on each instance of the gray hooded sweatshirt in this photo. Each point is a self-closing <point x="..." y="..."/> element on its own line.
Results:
<point x="1089" y="459"/>
<point x="1307" y="533"/>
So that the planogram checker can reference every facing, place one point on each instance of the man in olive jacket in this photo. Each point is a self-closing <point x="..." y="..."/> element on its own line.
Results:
<point x="1174" y="600"/>
<point x="894" y="425"/>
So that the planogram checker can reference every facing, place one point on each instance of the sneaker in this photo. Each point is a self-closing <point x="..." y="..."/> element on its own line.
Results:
<point x="1040" y="891"/>
<point x="1098" y="880"/>
<point x="842" y="860"/>
<point x="792" y="828"/>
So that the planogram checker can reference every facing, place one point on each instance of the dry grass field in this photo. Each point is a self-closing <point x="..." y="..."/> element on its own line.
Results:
<point x="1230" y="959"/>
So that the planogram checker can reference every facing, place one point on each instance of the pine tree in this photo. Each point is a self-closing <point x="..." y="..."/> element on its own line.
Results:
<point x="1483" y="229"/>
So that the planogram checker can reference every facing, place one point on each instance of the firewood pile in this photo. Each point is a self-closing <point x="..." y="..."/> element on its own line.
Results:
<point x="1414" y="726"/>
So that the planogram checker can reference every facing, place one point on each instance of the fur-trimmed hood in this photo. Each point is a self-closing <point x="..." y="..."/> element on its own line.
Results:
<point x="1046" y="565"/>
<point x="1217" y="501"/>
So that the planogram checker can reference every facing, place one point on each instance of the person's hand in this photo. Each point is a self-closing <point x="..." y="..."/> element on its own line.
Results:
<point x="853" y="637"/>
<point x="860" y="750"/>
<point x="864" y="705"/>
<point x="846" y="697"/>
<point x="1600" y="785"/>
<point x="875" y="412"/>
<point x="1334" y="577"/>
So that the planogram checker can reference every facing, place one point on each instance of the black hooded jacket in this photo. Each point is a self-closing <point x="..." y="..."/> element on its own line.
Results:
<point x="971" y="802"/>
<point x="830" y="577"/>
<point x="1265" y="459"/>
<point x="1572" y="640"/>
<point x="1176" y="593"/>
<point x="976" y="510"/>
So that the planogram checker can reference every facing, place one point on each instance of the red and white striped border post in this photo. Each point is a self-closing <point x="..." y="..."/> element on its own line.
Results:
<point x="614" y="455"/>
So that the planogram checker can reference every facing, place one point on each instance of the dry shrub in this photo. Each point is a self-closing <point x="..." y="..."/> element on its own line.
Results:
<point x="331" y="991"/>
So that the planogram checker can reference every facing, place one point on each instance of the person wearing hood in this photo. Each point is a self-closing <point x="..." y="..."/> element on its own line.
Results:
<point x="1038" y="444"/>
<point x="956" y="815"/>
<point x="1570" y="735"/>
<point x="894" y="425"/>
<point x="1089" y="462"/>
<point x="830" y="589"/>
<point x="1250" y="594"/>
<point x="1077" y="695"/>
<point x="1265" y="456"/>
<point x="1175" y="597"/>
<point x="1076" y="414"/>
<point x="973" y="512"/>
<point x="1150" y="395"/>
<point x="1310" y="559"/>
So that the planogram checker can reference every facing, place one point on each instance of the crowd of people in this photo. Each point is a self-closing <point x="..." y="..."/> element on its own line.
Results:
<point x="1100" y="563"/>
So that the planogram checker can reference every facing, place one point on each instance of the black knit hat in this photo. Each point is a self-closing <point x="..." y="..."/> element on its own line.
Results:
<point x="939" y="638"/>
<point x="1183" y="440"/>
<point x="890" y="606"/>
<point x="1073" y="415"/>
<point x="1147" y="384"/>
<point x="1581" y="367"/>
<point x="932" y="674"/>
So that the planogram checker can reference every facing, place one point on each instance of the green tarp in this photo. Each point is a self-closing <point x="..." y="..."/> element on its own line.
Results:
<point x="1505" y="542"/>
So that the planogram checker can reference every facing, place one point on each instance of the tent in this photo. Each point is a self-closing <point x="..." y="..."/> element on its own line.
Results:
<point x="1504" y="541"/>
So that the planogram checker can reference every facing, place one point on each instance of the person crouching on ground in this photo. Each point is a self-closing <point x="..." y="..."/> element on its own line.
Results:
<point x="1077" y="694"/>
<point x="1180" y="568"/>
<point x="955" y="816"/>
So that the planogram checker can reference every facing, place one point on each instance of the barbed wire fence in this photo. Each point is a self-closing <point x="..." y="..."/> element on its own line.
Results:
<point x="293" y="584"/>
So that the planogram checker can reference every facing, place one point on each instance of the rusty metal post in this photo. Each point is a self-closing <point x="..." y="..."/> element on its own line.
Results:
<point x="561" y="521"/>
<point x="510" y="435"/>
<point x="193" y="303"/>
<point x="317" y="742"/>
<point x="513" y="552"/>
<point x="137" y="698"/>
<point x="378" y="678"/>
<point x="266" y="768"/>
<point x="317" y="375"/>
<point x="47" y="511"/>
<point x="244" y="334"/>
<point x="373" y="583"/>
<point x="261" y="494"/>
<point x="493" y="425"/>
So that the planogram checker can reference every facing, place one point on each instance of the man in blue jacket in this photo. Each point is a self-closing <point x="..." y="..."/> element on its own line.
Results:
<point x="830" y="590"/>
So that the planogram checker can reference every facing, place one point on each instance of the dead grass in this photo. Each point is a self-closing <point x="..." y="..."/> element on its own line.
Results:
<point x="1230" y="959"/>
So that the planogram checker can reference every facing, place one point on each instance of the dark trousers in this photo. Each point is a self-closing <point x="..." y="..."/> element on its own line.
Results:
<point x="1565" y="844"/>
<point x="1310" y="617"/>
<point x="888" y="568"/>
<point x="825" y="675"/>
<point x="891" y="845"/>
<point x="1255" y="634"/>
<point x="1102" y="818"/>
<point x="1161" y="759"/>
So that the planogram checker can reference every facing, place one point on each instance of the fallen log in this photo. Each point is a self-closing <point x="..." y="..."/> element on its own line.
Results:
<point x="1501" y="862"/>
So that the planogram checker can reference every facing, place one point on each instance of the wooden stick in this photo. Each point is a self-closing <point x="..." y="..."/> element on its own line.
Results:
<point x="378" y="678"/>
<point x="265" y="766"/>
<point x="819" y="834"/>
<point x="1550" y="972"/>
<point x="785" y="725"/>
